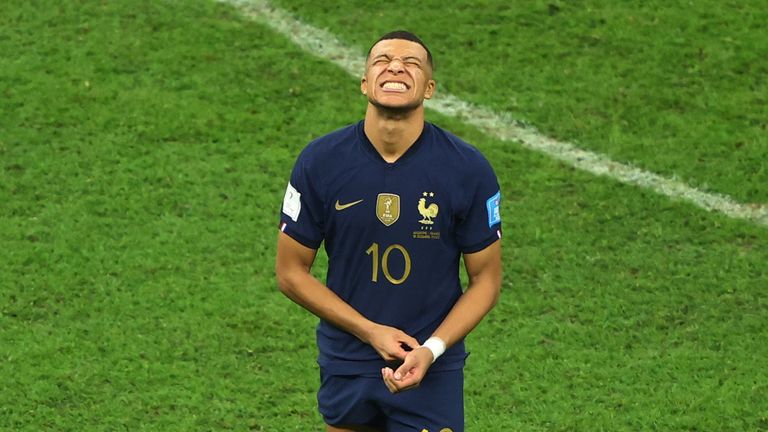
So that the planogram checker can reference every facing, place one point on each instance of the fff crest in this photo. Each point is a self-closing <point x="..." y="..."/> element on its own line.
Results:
<point x="388" y="208"/>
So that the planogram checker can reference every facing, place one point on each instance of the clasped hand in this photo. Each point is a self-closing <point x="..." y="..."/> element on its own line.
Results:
<point x="390" y="343"/>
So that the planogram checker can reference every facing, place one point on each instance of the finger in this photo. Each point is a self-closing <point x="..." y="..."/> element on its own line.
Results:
<point x="390" y="357"/>
<point x="389" y="381"/>
<point x="396" y="386"/>
<point x="399" y="354"/>
<point x="402" y="385"/>
<point x="410" y="341"/>
<point x="404" y="369"/>
<point x="394" y="352"/>
<point x="409" y="386"/>
<point x="405" y="341"/>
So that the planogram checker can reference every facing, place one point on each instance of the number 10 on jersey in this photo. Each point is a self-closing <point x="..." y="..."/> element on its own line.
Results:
<point x="373" y="251"/>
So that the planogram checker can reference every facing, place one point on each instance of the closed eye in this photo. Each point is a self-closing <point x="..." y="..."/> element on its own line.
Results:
<point x="381" y="59"/>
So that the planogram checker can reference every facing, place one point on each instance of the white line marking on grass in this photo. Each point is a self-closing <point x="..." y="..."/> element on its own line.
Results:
<point x="325" y="45"/>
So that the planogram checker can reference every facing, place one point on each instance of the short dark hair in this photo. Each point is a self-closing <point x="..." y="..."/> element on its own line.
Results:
<point x="405" y="35"/>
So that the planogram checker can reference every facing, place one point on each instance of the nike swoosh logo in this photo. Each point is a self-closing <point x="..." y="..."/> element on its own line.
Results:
<point x="340" y="206"/>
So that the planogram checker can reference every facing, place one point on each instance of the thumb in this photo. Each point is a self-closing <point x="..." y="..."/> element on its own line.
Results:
<point x="404" y="368"/>
<point x="411" y="342"/>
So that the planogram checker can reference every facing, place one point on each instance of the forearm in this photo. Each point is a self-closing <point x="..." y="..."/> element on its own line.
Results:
<point x="308" y="292"/>
<point x="479" y="298"/>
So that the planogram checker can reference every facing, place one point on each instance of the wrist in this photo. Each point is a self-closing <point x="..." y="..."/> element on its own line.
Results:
<point x="436" y="345"/>
<point x="366" y="330"/>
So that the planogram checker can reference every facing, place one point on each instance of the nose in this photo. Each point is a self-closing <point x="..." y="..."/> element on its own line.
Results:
<point x="395" y="66"/>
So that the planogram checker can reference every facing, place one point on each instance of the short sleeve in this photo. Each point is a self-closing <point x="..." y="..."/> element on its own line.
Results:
<point x="302" y="209"/>
<point x="481" y="224"/>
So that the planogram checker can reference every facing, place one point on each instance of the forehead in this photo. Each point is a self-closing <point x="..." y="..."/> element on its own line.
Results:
<point x="399" y="48"/>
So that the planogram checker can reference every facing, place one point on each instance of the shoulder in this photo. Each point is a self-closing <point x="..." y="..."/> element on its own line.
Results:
<point x="323" y="149"/>
<point x="457" y="153"/>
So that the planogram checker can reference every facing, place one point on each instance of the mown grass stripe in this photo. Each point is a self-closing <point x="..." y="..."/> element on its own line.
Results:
<point x="325" y="45"/>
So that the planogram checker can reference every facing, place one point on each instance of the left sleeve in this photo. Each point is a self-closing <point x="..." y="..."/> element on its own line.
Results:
<point x="302" y="213"/>
<point x="481" y="224"/>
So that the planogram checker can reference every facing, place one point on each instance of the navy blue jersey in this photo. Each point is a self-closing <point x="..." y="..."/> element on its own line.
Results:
<point x="393" y="232"/>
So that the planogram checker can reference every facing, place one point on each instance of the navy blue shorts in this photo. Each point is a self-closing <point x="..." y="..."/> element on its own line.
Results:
<point x="436" y="405"/>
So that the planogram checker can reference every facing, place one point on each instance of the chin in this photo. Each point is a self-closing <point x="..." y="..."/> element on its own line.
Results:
<point x="401" y="107"/>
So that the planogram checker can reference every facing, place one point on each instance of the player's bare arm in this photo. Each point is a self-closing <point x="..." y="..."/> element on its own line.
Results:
<point x="292" y="268"/>
<point x="484" y="272"/>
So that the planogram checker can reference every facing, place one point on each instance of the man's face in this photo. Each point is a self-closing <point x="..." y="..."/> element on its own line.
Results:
<point x="398" y="75"/>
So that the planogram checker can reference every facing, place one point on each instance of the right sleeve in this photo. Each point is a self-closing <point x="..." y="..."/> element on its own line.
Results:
<point x="301" y="216"/>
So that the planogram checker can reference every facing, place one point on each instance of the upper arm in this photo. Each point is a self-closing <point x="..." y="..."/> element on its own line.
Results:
<point x="485" y="266"/>
<point x="292" y="256"/>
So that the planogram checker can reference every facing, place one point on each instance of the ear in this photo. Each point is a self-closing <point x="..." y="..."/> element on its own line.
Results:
<point x="429" y="91"/>
<point x="363" y="90"/>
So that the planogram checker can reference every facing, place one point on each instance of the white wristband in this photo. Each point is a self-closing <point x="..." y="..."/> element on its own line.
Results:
<point x="436" y="345"/>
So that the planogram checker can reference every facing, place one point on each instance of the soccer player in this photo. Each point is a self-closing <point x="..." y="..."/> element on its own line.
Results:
<point x="397" y="201"/>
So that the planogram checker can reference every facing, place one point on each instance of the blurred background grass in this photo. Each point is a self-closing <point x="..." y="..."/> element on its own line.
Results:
<point x="145" y="149"/>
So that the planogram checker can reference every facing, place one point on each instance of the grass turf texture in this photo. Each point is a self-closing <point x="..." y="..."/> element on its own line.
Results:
<point x="677" y="88"/>
<point x="145" y="150"/>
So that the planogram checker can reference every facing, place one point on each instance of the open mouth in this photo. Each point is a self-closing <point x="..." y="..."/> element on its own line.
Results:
<point x="395" y="86"/>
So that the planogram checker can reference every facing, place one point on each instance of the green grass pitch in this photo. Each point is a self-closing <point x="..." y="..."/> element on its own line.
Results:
<point x="144" y="152"/>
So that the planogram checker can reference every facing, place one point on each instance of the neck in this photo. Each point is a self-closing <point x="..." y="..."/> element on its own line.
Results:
<point x="393" y="132"/>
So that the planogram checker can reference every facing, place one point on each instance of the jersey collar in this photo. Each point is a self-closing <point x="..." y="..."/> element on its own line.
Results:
<point x="412" y="150"/>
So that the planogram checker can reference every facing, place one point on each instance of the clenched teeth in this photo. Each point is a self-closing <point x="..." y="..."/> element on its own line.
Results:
<point x="394" y="86"/>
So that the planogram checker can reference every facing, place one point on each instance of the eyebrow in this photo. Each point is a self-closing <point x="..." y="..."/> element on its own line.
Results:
<point x="387" y="56"/>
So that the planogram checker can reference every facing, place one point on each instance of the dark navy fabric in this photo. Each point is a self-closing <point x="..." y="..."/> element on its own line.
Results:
<point x="435" y="405"/>
<point x="394" y="256"/>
